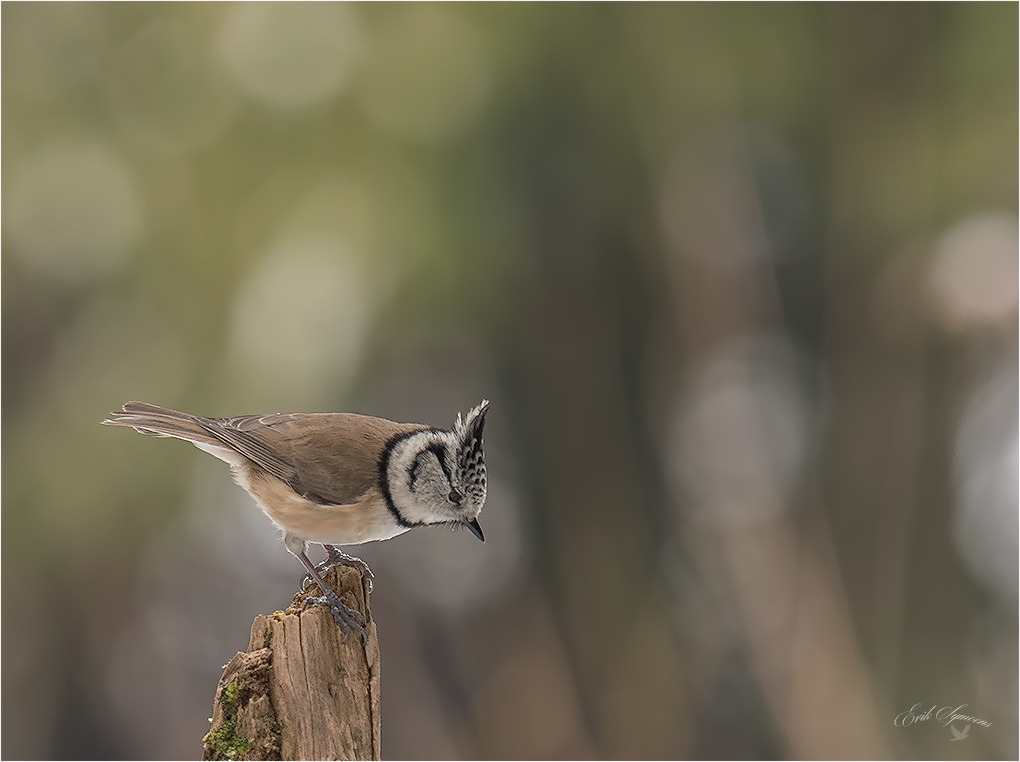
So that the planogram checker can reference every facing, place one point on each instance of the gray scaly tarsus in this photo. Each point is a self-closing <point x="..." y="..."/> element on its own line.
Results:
<point x="345" y="616"/>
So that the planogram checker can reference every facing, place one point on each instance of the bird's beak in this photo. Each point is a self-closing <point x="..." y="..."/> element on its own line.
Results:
<point x="475" y="529"/>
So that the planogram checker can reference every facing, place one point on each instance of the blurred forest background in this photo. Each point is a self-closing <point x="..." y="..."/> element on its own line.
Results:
<point x="739" y="280"/>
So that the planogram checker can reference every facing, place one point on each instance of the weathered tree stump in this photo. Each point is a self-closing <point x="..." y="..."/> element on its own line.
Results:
<point x="303" y="690"/>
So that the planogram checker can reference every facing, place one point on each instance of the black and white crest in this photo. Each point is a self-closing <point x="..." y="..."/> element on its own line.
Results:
<point x="470" y="458"/>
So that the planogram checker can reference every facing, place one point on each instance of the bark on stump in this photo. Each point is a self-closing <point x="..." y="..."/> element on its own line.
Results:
<point x="303" y="690"/>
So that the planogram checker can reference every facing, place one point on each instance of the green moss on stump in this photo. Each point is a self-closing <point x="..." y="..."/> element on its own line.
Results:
<point x="223" y="742"/>
<point x="231" y="698"/>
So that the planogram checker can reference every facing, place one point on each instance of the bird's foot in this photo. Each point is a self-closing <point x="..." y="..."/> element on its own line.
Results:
<point x="336" y="557"/>
<point x="344" y="615"/>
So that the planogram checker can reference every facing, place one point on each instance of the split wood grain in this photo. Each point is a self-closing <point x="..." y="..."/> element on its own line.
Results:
<point x="303" y="690"/>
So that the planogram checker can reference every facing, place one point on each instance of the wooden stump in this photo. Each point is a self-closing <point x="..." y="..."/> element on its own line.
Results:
<point x="303" y="690"/>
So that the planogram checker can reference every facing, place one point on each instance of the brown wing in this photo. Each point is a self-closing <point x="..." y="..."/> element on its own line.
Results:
<point x="330" y="458"/>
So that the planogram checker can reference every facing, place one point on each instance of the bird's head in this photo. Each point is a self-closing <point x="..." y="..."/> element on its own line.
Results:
<point x="436" y="476"/>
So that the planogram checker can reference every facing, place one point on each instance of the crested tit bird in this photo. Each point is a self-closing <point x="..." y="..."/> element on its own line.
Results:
<point x="339" y="478"/>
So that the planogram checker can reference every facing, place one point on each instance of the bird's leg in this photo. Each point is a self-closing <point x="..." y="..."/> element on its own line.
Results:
<point x="345" y="616"/>
<point x="334" y="557"/>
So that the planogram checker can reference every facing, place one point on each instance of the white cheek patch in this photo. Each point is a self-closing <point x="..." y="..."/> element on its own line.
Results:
<point x="414" y="508"/>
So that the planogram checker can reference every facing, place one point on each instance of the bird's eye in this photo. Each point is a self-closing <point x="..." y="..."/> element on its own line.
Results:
<point x="454" y="496"/>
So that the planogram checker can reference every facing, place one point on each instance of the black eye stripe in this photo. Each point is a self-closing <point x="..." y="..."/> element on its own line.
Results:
<point x="439" y="450"/>
<point x="412" y="472"/>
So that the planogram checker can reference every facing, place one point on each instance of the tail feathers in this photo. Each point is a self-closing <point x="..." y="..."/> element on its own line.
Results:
<point x="145" y="407"/>
<point x="214" y="435"/>
<point x="162" y="422"/>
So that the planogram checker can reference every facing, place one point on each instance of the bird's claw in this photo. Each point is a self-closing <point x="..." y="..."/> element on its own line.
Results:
<point x="361" y="566"/>
<point x="336" y="558"/>
<point x="344" y="615"/>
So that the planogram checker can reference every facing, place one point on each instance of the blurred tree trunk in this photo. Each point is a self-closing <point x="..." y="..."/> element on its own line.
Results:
<point x="303" y="690"/>
<point x="885" y="101"/>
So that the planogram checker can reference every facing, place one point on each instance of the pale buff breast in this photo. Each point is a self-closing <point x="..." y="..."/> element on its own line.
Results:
<point x="366" y="520"/>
